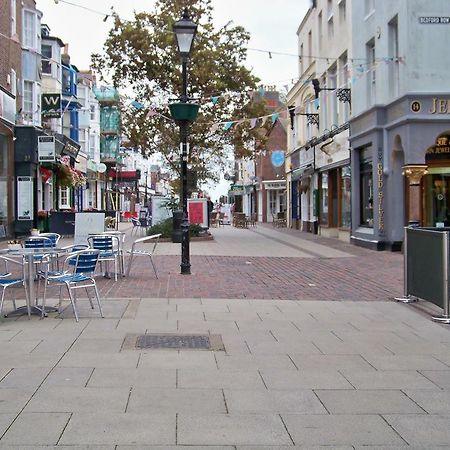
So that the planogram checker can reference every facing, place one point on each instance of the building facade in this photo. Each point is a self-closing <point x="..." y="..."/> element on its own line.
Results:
<point x="400" y="126"/>
<point x="318" y="163"/>
<point x="10" y="103"/>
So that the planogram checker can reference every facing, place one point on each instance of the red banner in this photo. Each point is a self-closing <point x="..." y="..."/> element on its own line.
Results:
<point x="46" y="174"/>
<point x="196" y="212"/>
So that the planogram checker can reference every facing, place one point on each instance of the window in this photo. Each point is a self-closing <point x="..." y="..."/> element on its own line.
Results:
<point x="319" y="27"/>
<point x="332" y="99"/>
<point x="64" y="197"/>
<point x="13" y="82"/>
<point x="342" y="11"/>
<point x="29" y="29"/>
<point x="330" y="9"/>
<point x="346" y="197"/>
<point x="310" y="50"/>
<point x="28" y="95"/>
<point x="366" y="187"/>
<point x="330" y="28"/>
<point x="13" y="17"/>
<point x="46" y="59"/>
<point x="344" y="107"/>
<point x="92" y="146"/>
<point x="369" y="7"/>
<point x="394" y="54"/>
<point x="324" y="198"/>
<point x="372" y="74"/>
<point x="92" y="112"/>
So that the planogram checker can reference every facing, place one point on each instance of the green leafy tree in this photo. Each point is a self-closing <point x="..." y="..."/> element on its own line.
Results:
<point x="142" y="55"/>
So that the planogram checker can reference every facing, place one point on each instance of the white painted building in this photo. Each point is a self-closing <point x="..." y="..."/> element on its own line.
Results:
<point x="318" y="152"/>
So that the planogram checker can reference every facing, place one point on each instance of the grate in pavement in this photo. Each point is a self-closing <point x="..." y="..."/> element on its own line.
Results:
<point x="174" y="341"/>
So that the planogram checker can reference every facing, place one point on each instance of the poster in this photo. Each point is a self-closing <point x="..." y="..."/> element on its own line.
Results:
<point x="25" y="198"/>
<point x="160" y="210"/>
<point x="198" y="211"/>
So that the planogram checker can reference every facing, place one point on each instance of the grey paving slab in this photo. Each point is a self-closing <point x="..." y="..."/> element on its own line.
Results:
<point x="36" y="429"/>
<point x="288" y="380"/>
<point x="330" y="362"/>
<point x="335" y="430"/>
<point x="58" y="447"/>
<point x="423" y="430"/>
<point x="93" y="345"/>
<point x="292" y="401"/>
<point x="175" y="447"/>
<point x="105" y="377"/>
<point x="284" y="447"/>
<point x="403" y="447"/>
<point x="249" y="362"/>
<point x="439" y="377"/>
<point x="231" y="429"/>
<point x="219" y="379"/>
<point x="120" y="429"/>
<point x="106" y="360"/>
<point x="79" y="399"/>
<point x="213" y="326"/>
<point x="172" y="400"/>
<point x="68" y="376"/>
<point x="405" y="362"/>
<point x="434" y="402"/>
<point x="173" y="359"/>
<point x="6" y="419"/>
<point x="13" y="400"/>
<point x="27" y="377"/>
<point x="419" y="348"/>
<point x="278" y="348"/>
<point x="368" y="402"/>
<point x="392" y="379"/>
<point x="28" y="361"/>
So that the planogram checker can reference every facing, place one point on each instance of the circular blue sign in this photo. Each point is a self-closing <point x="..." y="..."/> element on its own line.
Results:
<point x="277" y="158"/>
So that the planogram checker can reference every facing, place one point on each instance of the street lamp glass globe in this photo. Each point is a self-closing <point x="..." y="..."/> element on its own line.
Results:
<point x="185" y="31"/>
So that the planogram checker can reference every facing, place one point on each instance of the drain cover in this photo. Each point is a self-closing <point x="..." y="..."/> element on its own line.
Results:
<point x="174" y="341"/>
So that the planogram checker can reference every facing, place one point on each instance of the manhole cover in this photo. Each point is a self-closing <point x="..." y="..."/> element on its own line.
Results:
<point x="174" y="341"/>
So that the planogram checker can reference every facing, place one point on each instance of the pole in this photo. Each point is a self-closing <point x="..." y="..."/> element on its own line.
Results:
<point x="185" y="258"/>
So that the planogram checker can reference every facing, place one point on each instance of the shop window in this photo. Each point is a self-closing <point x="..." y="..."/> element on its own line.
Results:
<point x="366" y="188"/>
<point x="4" y="160"/>
<point x="323" y="213"/>
<point x="345" y="221"/>
<point x="64" y="197"/>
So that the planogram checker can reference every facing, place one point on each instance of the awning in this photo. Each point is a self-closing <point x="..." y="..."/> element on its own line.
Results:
<point x="124" y="175"/>
<point x="302" y="172"/>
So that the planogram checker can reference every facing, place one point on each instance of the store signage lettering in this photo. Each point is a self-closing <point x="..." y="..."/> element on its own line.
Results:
<point x="51" y="105"/>
<point x="440" y="150"/>
<point x="380" y="192"/>
<point x="434" y="20"/>
<point x="440" y="106"/>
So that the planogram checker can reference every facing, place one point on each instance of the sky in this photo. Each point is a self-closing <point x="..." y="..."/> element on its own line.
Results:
<point x="272" y="26"/>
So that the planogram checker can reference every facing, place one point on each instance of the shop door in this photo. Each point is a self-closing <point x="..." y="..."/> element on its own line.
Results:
<point x="333" y="192"/>
<point x="438" y="199"/>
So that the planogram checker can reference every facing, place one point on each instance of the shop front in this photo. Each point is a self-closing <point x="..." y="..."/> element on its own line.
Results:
<point x="400" y="169"/>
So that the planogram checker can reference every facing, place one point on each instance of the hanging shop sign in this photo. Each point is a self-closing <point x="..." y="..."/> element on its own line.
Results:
<point x="25" y="198"/>
<point x="51" y="106"/>
<point x="277" y="158"/>
<point x="46" y="148"/>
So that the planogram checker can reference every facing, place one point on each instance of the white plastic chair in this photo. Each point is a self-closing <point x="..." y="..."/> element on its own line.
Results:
<point x="137" y="250"/>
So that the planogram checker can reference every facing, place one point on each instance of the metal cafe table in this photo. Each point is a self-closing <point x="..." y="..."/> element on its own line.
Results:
<point x="29" y="259"/>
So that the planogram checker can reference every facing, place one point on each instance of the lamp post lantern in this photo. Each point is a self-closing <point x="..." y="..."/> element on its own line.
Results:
<point x="184" y="113"/>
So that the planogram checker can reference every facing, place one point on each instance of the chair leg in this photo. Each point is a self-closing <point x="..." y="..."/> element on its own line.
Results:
<point x="72" y="301"/>
<point x="2" y="300"/>
<point x="154" y="267"/>
<point x="98" y="300"/>
<point x="129" y="264"/>
<point x="89" y="297"/>
<point x="115" y="267"/>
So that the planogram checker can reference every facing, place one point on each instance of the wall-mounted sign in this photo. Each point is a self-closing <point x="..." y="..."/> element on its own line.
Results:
<point x="277" y="158"/>
<point x="434" y="20"/>
<point x="416" y="106"/>
<point x="24" y="198"/>
<point x="46" y="148"/>
<point x="101" y="167"/>
<point x="51" y="105"/>
<point x="441" y="150"/>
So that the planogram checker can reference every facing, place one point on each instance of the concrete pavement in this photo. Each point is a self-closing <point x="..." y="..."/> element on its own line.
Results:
<point x="339" y="374"/>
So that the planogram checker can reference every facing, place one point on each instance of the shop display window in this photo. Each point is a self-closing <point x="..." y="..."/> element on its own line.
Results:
<point x="437" y="204"/>
<point x="324" y="198"/>
<point x="346" y="193"/>
<point x="366" y="189"/>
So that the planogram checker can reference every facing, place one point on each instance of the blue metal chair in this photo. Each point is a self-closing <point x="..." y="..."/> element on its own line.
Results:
<point x="109" y="250"/>
<point x="6" y="281"/>
<point x="84" y="263"/>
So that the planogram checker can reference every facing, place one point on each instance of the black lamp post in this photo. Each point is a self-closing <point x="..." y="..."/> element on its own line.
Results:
<point x="184" y="113"/>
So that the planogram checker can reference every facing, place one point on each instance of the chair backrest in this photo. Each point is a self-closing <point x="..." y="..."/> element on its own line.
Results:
<point x="54" y="237"/>
<point x="154" y="238"/>
<point x="38" y="242"/>
<point x="85" y="262"/>
<point x="104" y="242"/>
<point x="135" y="222"/>
<point x="280" y="215"/>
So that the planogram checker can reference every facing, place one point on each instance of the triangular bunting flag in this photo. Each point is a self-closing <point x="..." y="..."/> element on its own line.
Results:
<point x="253" y="123"/>
<point x="227" y="125"/>
<point x="215" y="99"/>
<point x="263" y="121"/>
<point x="137" y="105"/>
<point x="275" y="117"/>
<point x="317" y="103"/>
<point x="151" y="113"/>
<point x="214" y="128"/>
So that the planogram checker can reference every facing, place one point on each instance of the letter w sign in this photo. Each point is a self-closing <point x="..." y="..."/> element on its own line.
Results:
<point x="51" y="105"/>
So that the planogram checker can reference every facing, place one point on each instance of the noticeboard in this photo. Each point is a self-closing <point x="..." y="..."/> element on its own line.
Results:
<point x="25" y="198"/>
